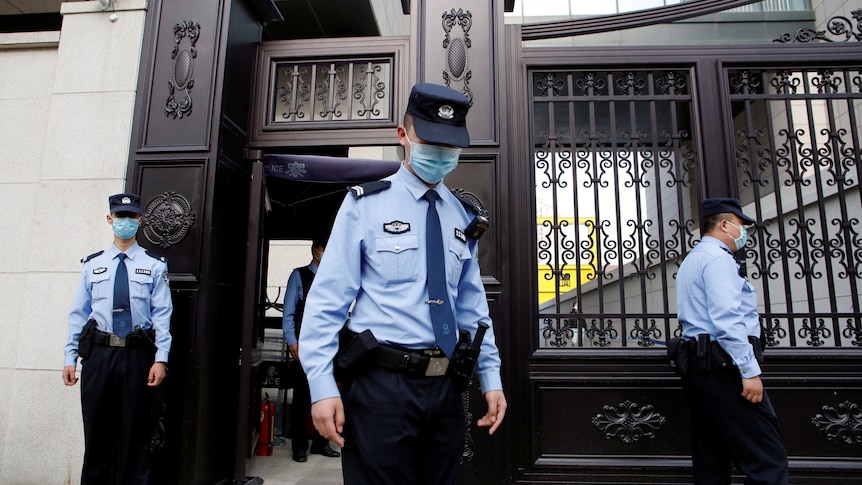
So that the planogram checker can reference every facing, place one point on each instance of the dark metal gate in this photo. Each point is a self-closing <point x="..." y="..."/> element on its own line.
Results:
<point x="623" y="144"/>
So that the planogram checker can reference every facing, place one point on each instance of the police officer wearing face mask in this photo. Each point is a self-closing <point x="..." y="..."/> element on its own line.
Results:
<point x="398" y="417"/>
<point x="120" y="327"/>
<point x="732" y="419"/>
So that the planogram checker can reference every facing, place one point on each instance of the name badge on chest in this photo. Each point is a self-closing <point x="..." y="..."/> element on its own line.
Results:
<point x="143" y="271"/>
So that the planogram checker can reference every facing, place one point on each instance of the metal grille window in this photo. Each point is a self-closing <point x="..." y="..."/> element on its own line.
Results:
<point x="798" y="144"/>
<point x="615" y="185"/>
<point x="336" y="90"/>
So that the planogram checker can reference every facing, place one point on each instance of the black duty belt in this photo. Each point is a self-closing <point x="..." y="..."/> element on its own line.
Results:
<point x="108" y="339"/>
<point x="415" y="362"/>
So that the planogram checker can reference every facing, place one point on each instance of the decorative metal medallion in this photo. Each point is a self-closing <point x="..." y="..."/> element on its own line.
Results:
<point x="628" y="422"/>
<point x="167" y="219"/>
<point x="843" y="423"/>
<point x="838" y="26"/>
<point x="179" y="101"/>
<point x="457" y="50"/>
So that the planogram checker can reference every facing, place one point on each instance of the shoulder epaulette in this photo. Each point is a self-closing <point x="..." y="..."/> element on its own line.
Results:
<point x="369" y="188"/>
<point x="160" y="258"/>
<point x="84" y="260"/>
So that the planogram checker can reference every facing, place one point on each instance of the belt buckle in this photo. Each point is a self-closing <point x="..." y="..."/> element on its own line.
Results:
<point x="437" y="366"/>
<point x="116" y="341"/>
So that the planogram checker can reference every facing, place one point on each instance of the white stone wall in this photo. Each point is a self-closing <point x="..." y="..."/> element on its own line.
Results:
<point x="66" y="106"/>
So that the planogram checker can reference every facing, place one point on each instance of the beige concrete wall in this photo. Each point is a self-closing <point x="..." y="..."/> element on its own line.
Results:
<point x="66" y="106"/>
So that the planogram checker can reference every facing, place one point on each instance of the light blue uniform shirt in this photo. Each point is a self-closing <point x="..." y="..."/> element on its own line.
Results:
<point x="376" y="255"/>
<point x="292" y="295"/>
<point x="712" y="298"/>
<point x="149" y="295"/>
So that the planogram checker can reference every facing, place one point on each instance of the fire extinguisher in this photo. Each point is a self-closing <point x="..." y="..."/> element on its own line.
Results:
<point x="267" y="425"/>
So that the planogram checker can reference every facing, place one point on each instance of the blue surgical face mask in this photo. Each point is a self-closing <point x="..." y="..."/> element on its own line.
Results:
<point x="125" y="227"/>
<point x="432" y="162"/>
<point x="743" y="236"/>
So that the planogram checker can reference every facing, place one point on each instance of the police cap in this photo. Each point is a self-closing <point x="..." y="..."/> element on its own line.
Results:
<point x="722" y="205"/>
<point x="125" y="203"/>
<point x="439" y="114"/>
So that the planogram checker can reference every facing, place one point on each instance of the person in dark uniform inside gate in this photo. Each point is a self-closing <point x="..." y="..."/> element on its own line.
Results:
<point x="298" y="285"/>
<point x="119" y="325"/>
<point x="398" y="248"/>
<point x="732" y="419"/>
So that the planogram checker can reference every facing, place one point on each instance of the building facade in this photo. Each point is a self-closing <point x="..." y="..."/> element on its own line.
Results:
<point x="619" y="115"/>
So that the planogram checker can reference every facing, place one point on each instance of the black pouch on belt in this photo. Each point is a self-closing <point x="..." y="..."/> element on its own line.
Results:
<point x="678" y="355"/>
<point x="356" y="350"/>
<point x="703" y="353"/>
<point x="85" y="340"/>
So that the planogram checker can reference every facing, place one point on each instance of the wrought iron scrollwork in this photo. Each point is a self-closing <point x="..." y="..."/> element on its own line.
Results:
<point x="837" y="26"/>
<point x="182" y="81"/>
<point x="601" y="332"/>
<point x="458" y="49"/>
<point x="628" y="421"/>
<point x="841" y="423"/>
<point x="167" y="219"/>
<point x="331" y="91"/>
<point x="558" y="332"/>
<point x="369" y="80"/>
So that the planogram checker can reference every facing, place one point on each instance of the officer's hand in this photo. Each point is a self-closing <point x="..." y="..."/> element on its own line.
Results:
<point x="752" y="389"/>
<point x="328" y="417"/>
<point x="69" y="375"/>
<point x="157" y="374"/>
<point x="294" y="351"/>
<point x="496" y="411"/>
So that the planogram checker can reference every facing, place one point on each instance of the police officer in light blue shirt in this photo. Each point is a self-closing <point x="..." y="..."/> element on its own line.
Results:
<point x="295" y="293"/>
<point x="119" y="325"/>
<point x="397" y="425"/>
<point x="733" y="421"/>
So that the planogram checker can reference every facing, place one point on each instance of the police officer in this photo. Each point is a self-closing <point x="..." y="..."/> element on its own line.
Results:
<point x="733" y="421"/>
<point x="298" y="285"/>
<point x="119" y="326"/>
<point x="400" y="419"/>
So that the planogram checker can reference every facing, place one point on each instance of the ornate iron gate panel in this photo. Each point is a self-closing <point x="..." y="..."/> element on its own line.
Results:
<point x="616" y="181"/>
<point x="797" y="145"/>
<point x="619" y="158"/>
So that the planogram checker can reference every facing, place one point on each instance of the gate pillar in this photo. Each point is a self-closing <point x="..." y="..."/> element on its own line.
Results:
<point x="186" y="161"/>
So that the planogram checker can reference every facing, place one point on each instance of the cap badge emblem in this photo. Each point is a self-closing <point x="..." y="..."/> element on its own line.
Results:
<point x="446" y="112"/>
<point x="127" y="200"/>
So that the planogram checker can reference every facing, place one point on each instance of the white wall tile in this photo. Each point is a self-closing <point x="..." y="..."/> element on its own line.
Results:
<point x="23" y="123"/>
<point x="97" y="55"/>
<point x="88" y="136"/>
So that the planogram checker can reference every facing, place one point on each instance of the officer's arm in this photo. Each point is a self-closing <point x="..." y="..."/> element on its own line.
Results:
<point x="161" y="308"/>
<point x="291" y="296"/>
<point x="723" y="289"/>
<point x="471" y="307"/>
<point x="335" y="286"/>
<point x="78" y="315"/>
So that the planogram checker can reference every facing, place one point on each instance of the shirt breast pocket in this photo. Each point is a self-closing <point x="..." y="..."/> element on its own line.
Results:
<point x="141" y="285"/>
<point x="101" y="286"/>
<point x="397" y="258"/>
<point x="458" y="254"/>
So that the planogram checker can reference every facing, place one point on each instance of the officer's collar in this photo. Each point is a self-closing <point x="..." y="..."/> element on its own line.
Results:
<point x="416" y="186"/>
<point x="714" y="240"/>
<point x="130" y="253"/>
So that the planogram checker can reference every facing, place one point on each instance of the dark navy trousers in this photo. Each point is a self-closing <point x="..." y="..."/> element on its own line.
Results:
<point x="728" y="430"/>
<point x="299" y="412"/>
<point x="116" y="401"/>
<point x="401" y="429"/>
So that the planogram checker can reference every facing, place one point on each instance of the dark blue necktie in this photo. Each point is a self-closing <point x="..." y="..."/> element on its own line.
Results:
<point x="122" y="308"/>
<point x="438" y="294"/>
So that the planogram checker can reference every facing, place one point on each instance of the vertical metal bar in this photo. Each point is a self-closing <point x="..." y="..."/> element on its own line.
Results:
<point x="779" y="204"/>
<point x="613" y="152"/>
<point x="570" y="83"/>
<point x="853" y="265"/>
<point x="821" y="206"/>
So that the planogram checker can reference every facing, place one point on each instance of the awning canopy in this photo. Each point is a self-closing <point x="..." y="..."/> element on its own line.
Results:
<point x="316" y="168"/>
